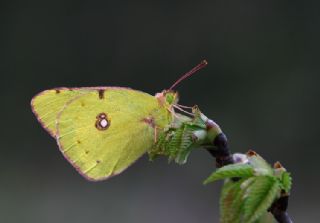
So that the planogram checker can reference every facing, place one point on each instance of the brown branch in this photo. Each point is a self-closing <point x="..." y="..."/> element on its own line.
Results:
<point x="224" y="157"/>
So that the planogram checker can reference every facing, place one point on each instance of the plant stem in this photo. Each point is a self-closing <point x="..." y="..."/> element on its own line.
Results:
<point x="279" y="209"/>
<point x="223" y="156"/>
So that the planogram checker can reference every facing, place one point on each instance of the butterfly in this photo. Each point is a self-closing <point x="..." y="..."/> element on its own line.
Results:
<point x="103" y="130"/>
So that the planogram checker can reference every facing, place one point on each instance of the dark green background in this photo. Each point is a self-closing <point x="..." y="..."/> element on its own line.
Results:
<point x="261" y="86"/>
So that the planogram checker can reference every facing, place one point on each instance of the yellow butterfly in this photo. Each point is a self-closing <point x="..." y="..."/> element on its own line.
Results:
<point x="103" y="130"/>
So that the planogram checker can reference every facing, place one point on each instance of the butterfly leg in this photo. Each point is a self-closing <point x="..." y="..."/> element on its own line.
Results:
<point x="156" y="134"/>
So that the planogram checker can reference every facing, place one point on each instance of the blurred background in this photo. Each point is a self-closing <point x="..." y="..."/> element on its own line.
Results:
<point x="261" y="86"/>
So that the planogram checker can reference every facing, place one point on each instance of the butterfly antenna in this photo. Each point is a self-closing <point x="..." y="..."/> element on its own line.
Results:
<point x="189" y="73"/>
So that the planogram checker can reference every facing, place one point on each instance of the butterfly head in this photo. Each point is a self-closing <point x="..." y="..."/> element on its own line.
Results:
<point x="167" y="97"/>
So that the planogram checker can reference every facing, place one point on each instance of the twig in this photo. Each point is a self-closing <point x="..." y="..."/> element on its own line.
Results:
<point x="279" y="209"/>
<point x="224" y="157"/>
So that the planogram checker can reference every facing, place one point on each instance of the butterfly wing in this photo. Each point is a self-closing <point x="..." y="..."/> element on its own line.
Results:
<point x="47" y="104"/>
<point x="102" y="132"/>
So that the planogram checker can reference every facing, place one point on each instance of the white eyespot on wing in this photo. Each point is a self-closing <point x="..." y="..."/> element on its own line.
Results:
<point x="102" y="121"/>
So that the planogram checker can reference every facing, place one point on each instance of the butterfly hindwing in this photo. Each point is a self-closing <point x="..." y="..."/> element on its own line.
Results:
<point x="47" y="105"/>
<point x="102" y="132"/>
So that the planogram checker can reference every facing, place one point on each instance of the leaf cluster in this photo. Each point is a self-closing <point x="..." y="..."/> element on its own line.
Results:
<point x="177" y="141"/>
<point x="250" y="188"/>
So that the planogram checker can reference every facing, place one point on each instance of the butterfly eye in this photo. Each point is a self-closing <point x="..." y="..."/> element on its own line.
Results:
<point x="102" y="122"/>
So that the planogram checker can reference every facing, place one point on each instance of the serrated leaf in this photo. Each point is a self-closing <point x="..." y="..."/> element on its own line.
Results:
<point x="226" y="198"/>
<point x="175" y="142"/>
<point x="233" y="170"/>
<point x="185" y="146"/>
<point x="230" y="202"/>
<point x="286" y="181"/>
<point x="267" y="217"/>
<point x="261" y="167"/>
<point x="260" y="195"/>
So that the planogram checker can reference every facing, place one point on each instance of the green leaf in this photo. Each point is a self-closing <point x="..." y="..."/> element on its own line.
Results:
<point x="230" y="202"/>
<point x="286" y="181"/>
<point x="259" y="197"/>
<point x="226" y="197"/>
<point x="261" y="167"/>
<point x="267" y="217"/>
<point x="185" y="146"/>
<point x="233" y="170"/>
<point x="175" y="142"/>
